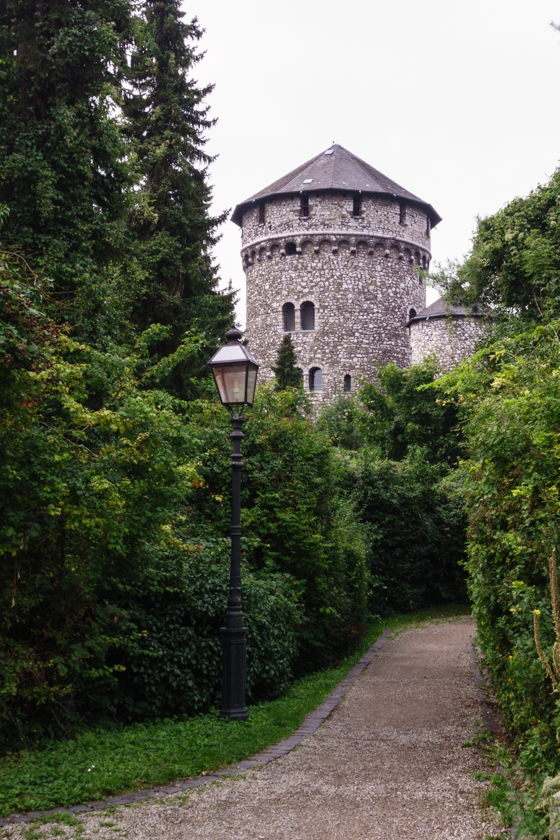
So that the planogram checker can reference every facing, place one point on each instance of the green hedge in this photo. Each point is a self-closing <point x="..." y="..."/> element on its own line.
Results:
<point x="510" y="400"/>
<point x="415" y="526"/>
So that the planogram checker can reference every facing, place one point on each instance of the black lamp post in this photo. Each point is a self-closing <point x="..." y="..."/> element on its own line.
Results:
<point x="235" y="374"/>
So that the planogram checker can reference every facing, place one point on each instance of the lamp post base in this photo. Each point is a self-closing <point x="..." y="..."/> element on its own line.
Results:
<point x="233" y="673"/>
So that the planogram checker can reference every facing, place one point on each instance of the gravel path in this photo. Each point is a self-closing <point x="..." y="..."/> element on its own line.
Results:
<point x="388" y="764"/>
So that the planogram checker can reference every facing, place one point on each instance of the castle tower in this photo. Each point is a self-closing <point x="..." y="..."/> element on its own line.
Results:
<point x="331" y="253"/>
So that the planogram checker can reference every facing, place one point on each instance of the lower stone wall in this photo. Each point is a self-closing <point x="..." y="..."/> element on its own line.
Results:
<point x="450" y="339"/>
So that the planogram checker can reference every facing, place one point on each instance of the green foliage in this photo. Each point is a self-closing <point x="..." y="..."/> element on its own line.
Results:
<point x="287" y="374"/>
<point x="114" y="577"/>
<point x="415" y="527"/>
<point x="178" y="606"/>
<point x="63" y="163"/>
<point x="112" y="207"/>
<point x="404" y="414"/>
<point x="166" y="122"/>
<point x="293" y="520"/>
<point x="340" y="422"/>
<point x="509" y="398"/>
<point x="514" y="265"/>
<point x="96" y="476"/>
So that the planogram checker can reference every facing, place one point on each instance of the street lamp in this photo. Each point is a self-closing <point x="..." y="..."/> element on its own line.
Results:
<point x="235" y="373"/>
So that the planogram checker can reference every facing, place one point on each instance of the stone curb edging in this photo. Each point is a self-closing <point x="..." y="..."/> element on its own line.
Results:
<point x="310" y="725"/>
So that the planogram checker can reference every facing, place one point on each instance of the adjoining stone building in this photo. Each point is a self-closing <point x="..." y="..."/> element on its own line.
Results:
<point x="331" y="254"/>
<point x="450" y="333"/>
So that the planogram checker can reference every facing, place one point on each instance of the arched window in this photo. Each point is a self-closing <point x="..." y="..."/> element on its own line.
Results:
<point x="308" y="315"/>
<point x="289" y="317"/>
<point x="304" y="205"/>
<point x="315" y="379"/>
<point x="290" y="249"/>
<point x="412" y="314"/>
<point x="347" y="382"/>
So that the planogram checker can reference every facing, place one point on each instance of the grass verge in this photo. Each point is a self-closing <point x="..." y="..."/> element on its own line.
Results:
<point x="105" y="762"/>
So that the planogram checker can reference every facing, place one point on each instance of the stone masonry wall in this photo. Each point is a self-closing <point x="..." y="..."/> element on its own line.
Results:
<point x="450" y="339"/>
<point x="359" y="272"/>
<point x="333" y="212"/>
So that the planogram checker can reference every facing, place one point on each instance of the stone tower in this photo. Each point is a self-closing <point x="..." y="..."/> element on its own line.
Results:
<point x="447" y="332"/>
<point x="330" y="253"/>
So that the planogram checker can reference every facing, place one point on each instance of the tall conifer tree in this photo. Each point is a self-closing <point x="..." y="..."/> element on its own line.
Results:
<point x="63" y="169"/>
<point x="166" y="120"/>
<point x="285" y="370"/>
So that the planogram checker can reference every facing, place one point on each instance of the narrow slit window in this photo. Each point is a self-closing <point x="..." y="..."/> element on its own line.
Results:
<point x="402" y="213"/>
<point x="262" y="213"/>
<point x="357" y="205"/>
<point x="315" y="379"/>
<point x="308" y="315"/>
<point x="289" y="317"/>
<point x="304" y="206"/>
<point x="347" y="383"/>
<point x="428" y="226"/>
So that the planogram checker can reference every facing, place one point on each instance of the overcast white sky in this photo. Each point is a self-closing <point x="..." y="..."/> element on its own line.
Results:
<point x="456" y="101"/>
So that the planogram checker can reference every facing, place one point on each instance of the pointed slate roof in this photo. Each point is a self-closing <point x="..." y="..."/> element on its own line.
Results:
<point x="334" y="169"/>
<point x="440" y="308"/>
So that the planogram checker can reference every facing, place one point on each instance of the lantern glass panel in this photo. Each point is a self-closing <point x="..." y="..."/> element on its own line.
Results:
<point x="231" y="381"/>
<point x="251" y="384"/>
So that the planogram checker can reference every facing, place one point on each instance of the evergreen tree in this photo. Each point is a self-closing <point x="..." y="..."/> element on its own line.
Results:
<point x="285" y="370"/>
<point x="166" y="121"/>
<point x="63" y="169"/>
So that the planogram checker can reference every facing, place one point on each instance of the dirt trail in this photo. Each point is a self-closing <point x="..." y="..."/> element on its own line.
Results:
<point x="388" y="764"/>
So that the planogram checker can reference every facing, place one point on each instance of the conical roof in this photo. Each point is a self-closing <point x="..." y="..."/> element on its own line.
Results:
<point x="441" y="308"/>
<point x="334" y="169"/>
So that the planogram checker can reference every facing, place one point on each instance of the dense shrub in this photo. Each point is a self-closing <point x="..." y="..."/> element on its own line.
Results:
<point x="511" y="403"/>
<point x="178" y="606"/>
<point x="402" y="413"/>
<point x="340" y="422"/>
<point x="415" y="528"/>
<point x="294" y="520"/>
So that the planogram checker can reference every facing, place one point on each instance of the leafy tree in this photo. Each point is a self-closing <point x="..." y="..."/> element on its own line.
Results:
<point x="288" y="375"/>
<point x="514" y="265"/>
<point x="166" y="120"/>
<point x="340" y="420"/>
<point x="64" y="173"/>
<point x="407" y="414"/>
